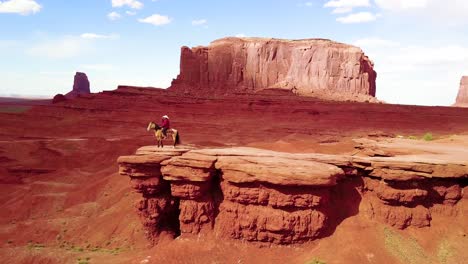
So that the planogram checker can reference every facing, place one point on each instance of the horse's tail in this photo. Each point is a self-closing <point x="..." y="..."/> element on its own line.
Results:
<point x="177" y="140"/>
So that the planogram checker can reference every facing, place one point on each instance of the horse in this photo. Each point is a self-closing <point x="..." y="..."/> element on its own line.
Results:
<point x="159" y="134"/>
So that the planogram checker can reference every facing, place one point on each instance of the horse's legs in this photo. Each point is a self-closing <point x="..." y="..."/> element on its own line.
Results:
<point x="174" y="137"/>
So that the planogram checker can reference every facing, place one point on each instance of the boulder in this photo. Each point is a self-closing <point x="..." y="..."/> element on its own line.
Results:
<point x="59" y="98"/>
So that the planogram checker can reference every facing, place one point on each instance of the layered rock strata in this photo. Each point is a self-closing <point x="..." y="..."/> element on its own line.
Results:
<point x="265" y="196"/>
<point x="316" y="67"/>
<point x="158" y="209"/>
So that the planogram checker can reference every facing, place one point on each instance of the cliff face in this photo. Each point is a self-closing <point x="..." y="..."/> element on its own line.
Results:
<point x="305" y="67"/>
<point x="462" y="98"/>
<point x="265" y="196"/>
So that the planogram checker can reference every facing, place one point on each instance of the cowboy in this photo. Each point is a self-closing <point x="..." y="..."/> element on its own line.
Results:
<point x="165" y="124"/>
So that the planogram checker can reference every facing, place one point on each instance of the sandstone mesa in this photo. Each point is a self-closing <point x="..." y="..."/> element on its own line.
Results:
<point x="308" y="67"/>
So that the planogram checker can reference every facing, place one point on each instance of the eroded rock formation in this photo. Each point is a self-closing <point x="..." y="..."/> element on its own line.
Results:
<point x="316" y="67"/>
<point x="58" y="98"/>
<point x="266" y="196"/>
<point x="80" y="85"/>
<point x="462" y="97"/>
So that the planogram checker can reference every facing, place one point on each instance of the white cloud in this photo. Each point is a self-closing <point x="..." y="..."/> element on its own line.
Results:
<point x="113" y="16"/>
<point x="375" y="42"/>
<point x="346" y="6"/>
<point x="23" y="7"/>
<point x="437" y="12"/>
<point x="98" y="36"/>
<point x="241" y="35"/>
<point x="156" y="19"/>
<point x="361" y="17"/>
<point x="423" y="74"/>
<point x="342" y="10"/>
<point x="397" y="5"/>
<point x="130" y="13"/>
<point x="98" y="67"/>
<point x="433" y="56"/>
<point x="4" y="44"/>
<point x="347" y="3"/>
<point x="63" y="48"/>
<point x="130" y="3"/>
<point x="199" y="22"/>
<point x="66" y="47"/>
<point x="57" y="73"/>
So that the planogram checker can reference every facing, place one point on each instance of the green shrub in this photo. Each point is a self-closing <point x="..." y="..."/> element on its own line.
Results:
<point x="36" y="246"/>
<point x="83" y="261"/>
<point x="428" y="137"/>
<point x="316" y="261"/>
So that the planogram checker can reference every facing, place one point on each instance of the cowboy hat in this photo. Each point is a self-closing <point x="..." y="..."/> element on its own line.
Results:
<point x="165" y="116"/>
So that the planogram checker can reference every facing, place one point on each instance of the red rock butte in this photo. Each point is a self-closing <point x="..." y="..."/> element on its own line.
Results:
<point x="462" y="98"/>
<point x="80" y="85"/>
<point x="310" y="67"/>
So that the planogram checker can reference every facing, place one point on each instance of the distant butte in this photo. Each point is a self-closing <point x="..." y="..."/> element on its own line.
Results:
<point x="80" y="85"/>
<point x="462" y="98"/>
<point x="309" y="67"/>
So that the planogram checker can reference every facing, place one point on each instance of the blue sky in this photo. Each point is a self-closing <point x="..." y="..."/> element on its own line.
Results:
<point x="419" y="47"/>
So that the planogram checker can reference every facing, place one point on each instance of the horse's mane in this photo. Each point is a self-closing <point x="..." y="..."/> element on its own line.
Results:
<point x="156" y="126"/>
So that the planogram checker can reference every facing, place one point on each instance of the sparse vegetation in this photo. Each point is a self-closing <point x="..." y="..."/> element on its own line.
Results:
<point x="428" y="137"/>
<point x="36" y="246"/>
<point x="444" y="252"/>
<point x="67" y="246"/>
<point x="115" y="251"/>
<point x="316" y="261"/>
<point x="78" y="249"/>
<point x="407" y="250"/>
<point x="83" y="260"/>
<point x="96" y="249"/>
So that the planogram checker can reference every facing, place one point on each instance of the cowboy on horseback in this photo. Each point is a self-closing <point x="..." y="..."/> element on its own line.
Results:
<point x="165" y="125"/>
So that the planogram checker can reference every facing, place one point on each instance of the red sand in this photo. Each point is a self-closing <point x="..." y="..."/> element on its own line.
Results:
<point x="62" y="198"/>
